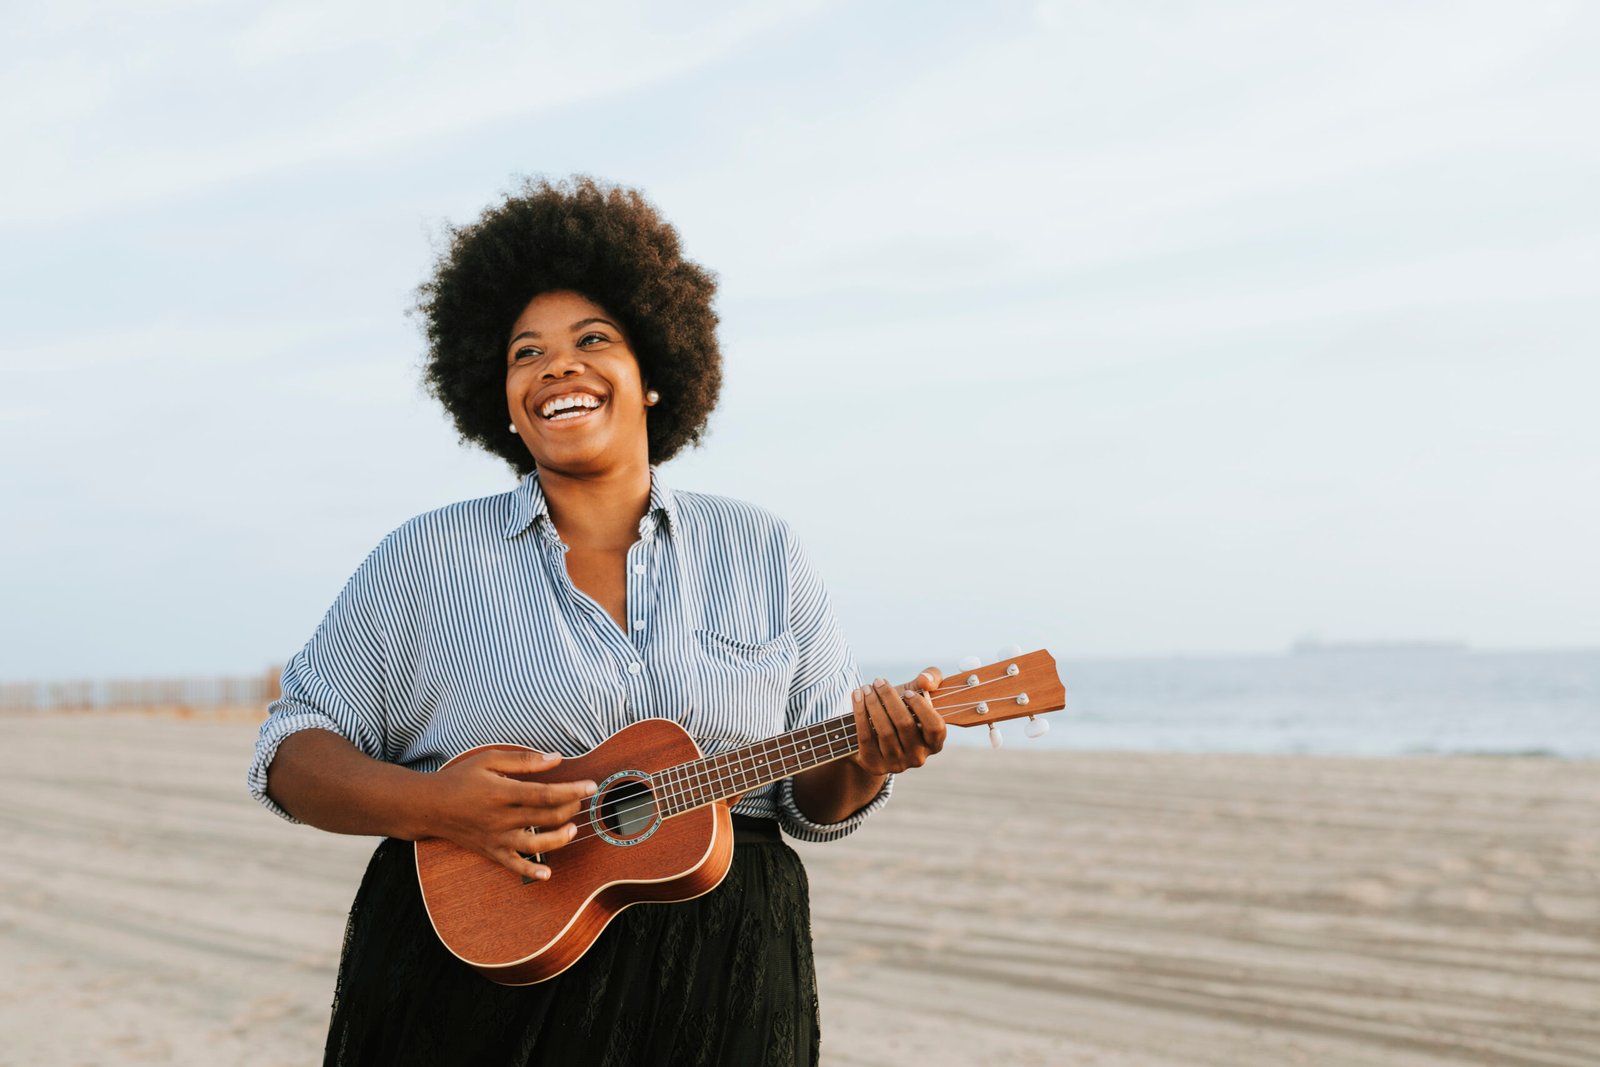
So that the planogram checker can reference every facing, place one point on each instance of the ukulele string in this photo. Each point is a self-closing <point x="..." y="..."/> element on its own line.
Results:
<point x="698" y="785"/>
<point x="702" y="785"/>
<point x="948" y="710"/>
<point x="844" y="727"/>
<point x="843" y="731"/>
<point x="979" y="684"/>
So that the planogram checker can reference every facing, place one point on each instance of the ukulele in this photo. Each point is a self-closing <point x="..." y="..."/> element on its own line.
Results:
<point x="659" y="827"/>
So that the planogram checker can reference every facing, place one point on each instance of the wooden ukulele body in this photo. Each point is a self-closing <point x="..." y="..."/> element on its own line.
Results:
<point x="517" y="933"/>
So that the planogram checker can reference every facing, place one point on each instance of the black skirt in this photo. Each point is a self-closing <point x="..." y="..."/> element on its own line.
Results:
<point x="724" y="979"/>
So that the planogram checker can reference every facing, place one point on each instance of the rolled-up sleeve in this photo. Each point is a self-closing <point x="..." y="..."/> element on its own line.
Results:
<point x="825" y="673"/>
<point x="336" y="682"/>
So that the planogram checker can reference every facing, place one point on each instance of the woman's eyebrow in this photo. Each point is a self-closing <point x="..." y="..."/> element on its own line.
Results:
<point x="580" y="324"/>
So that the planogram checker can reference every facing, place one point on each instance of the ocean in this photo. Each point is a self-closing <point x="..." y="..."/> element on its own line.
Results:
<point x="1360" y="702"/>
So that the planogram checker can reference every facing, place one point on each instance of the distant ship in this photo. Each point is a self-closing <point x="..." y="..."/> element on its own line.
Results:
<point x="1313" y="646"/>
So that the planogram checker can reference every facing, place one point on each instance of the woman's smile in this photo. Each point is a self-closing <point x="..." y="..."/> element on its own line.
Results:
<point x="570" y="406"/>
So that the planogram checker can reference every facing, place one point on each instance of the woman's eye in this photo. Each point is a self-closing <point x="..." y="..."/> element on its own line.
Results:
<point x="525" y="353"/>
<point x="596" y="336"/>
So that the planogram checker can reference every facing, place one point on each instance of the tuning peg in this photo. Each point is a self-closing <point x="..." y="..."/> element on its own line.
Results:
<point x="1008" y="652"/>
<point x="995" y="740"/>
<point x="1036" y="728"/>
<point x="969" y="663"/>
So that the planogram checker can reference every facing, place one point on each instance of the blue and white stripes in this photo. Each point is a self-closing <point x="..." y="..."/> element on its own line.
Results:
<point x="463" y="629"/>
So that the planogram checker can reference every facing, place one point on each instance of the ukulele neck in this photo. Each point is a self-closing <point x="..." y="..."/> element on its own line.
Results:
<point x="704" y="781"/>
<point x="1015" y="686"/>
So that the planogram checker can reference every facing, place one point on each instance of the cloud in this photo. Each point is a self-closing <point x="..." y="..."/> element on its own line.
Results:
<point x="115" y="105"/>
<point x="1199" y="311"/>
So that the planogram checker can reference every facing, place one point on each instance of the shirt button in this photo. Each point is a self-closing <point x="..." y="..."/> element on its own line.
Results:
<point x="635" y="668"/>
<point x="638" y="624"/>
<point x="638" y="568"/>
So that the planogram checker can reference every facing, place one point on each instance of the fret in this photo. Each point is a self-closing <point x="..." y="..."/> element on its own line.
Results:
<point x="666" y="790"/>
<point x="742" y="769"/>
<point x="754" y="761"/>
<point x="700" y="776"/>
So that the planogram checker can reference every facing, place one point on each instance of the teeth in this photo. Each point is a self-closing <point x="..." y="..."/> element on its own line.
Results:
<point x="573" y="405"/>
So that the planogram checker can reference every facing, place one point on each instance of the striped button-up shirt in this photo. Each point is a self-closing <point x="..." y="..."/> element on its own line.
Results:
<point x="462" y="628"/>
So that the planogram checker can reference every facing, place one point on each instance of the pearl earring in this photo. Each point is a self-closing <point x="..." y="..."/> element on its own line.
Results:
<point x="652" y="397"/>
<point x="513" y="427"/>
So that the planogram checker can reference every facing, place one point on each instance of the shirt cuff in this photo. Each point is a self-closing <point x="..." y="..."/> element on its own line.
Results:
<point x="799" y="827"/>
<point x="279" y="726"/>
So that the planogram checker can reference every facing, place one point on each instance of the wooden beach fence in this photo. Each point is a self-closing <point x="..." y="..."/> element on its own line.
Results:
<point x="181" y="694"/>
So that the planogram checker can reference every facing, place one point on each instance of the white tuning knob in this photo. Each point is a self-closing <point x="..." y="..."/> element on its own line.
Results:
<point x="995" y="740"/>
<point x="1009" y="652"/>
<point x="1036" y="727"/>
<point x="969" y="663"/>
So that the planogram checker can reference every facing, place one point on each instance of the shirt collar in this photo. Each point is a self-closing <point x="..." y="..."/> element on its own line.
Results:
<point x="663" y="504"/>
<point x="528" y="505"/>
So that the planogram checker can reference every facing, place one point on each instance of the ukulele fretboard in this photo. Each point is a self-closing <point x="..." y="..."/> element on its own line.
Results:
<point x="700" y="782"/>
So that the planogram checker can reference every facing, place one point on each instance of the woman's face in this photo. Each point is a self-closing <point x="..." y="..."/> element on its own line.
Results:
<point x="573" y="387"/>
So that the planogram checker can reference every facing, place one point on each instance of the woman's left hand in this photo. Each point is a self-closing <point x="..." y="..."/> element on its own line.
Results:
<point x="897" y="728"/>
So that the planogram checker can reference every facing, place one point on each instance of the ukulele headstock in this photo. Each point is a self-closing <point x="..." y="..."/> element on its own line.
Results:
<point x="1013" y="687"/>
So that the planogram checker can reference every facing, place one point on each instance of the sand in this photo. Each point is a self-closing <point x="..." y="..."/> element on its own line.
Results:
<point x="1012" y="907"/>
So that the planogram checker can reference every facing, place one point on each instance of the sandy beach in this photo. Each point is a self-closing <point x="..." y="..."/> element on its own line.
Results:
<point x="1012" y="907"/>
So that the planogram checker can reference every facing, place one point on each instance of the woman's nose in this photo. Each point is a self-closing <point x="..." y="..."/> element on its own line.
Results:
<point x="563" y="365"/>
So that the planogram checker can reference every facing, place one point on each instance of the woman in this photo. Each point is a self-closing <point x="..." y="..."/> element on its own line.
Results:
<point x="588" y="597"/>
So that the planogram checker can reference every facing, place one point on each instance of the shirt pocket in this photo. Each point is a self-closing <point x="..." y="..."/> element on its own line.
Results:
<point x="742" y="689"/>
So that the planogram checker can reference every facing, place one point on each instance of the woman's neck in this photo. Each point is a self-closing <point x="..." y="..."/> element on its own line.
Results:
<point x="598" y="511"/>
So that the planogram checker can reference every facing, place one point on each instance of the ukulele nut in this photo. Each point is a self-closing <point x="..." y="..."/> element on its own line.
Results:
<point x="1012" y="670"/>
<point x="1022" y="698"/>
<point x="983" y="707"/>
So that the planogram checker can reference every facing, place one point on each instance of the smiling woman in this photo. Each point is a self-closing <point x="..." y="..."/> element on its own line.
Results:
<point x="556" y="617"/>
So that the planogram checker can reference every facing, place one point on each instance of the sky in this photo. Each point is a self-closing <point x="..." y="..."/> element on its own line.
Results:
<point x="1120" y="329"/>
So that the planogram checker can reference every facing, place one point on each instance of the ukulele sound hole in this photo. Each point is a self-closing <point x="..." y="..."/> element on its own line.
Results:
<point x="627" y="810"/>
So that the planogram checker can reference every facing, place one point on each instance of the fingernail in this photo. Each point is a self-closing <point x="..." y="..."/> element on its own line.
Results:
<point x="879" y="681"/>
<point x="589" y="789"/>
<point x="572" y="831"/>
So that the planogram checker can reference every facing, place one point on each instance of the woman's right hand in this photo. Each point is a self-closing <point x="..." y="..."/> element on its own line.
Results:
<point x="474" y="803"/>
